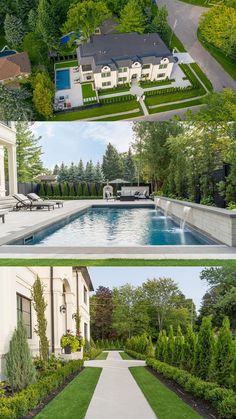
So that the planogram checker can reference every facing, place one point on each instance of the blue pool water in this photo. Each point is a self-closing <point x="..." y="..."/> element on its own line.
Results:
<point x="7" y="52"/>
<point x="66" y="38"/>
<point x="118" y="227"/>
<point x="63" y="79"/>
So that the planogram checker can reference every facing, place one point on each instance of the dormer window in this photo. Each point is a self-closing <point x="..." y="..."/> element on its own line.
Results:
<point x="146" y="66"/>
<point x="87" y="67"/>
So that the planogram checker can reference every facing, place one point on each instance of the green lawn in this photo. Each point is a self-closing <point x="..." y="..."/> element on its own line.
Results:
<point x="204" y="79"/>
<point x="181" y="105"/>
<point x="117" y="262"/>
<point x="176" y="43"/>
<point x="102" y="355"/>
<point x="164" y="402"/>
<point x="102" y="110"/>
<point x="119" y="118"/>
<point x="74" y="400"/>
<point x="172" y="97"/>
<point x="88" y="91"/>
<point x="66" y="64"/>
<point x="124" y="355"/>
<point x="229" y="64"/>
<point x="203" y="3"/>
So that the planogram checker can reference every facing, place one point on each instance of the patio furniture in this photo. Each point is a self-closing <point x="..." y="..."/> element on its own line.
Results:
<point x="142" y="195"/>
<point x="127" y="198"/>
<point x="24" y="202"/>
<point x="36" y="198"/>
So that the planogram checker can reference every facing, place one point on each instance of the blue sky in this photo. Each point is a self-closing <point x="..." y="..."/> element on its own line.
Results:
<point x="188" y="278"/>
<point x="70" y="141"/>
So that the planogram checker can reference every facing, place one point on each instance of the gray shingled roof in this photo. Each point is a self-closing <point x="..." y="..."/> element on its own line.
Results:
<point x="122" y="49"/>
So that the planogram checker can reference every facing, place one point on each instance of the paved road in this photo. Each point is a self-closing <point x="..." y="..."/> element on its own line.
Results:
<point x="117" y="396"/>
<point x="188" y="17"/>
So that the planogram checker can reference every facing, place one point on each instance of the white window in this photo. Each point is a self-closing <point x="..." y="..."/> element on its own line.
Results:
<point x="161" y="75"/>
<point x="106" y="83"/>
<point x="162" y="66"/>
<point x="106" y="74"/>
<point x="146" y="66"/>
<point x="122" y="79"/>
<point x="85" y="296"/>
<point x="123" y="70"/>
<point x="86" y="67"/>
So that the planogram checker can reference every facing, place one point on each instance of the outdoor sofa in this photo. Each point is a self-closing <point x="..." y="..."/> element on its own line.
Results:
<point x="36" y="198"/>
<point x="26" y="203"/>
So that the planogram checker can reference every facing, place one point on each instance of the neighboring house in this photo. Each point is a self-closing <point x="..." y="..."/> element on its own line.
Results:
<point x="114" y="59"/>
<point x="14" y="67"/>
<point x="8" y="141"/>
<point x="66" y="291"/>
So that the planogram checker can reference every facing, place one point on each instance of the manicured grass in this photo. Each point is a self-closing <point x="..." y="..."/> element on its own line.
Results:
<point x="181" y="105"/>
<point x="66" y="64"/>
<point x="102" y="110"/>
<point x="87" y="90"/>
<point x="102" y="355"/>
<point x="74" y="400"/>
<point x="176" y="43"/>
<point x="117" y="262"/>
<point x="203" y="3"/>
<point x="146" y="84"/>
<point x="164" y="402"/>
<point x="124" y="355"/>
<point x="114" y="90"/>
<point x="229" y="64"/>
<point x="129" y="116"/>
<point x="207" y="83"/>
<point x="173" y="97"/>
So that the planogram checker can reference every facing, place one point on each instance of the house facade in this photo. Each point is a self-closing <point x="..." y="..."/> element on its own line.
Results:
<point x="116" y="59"/>
<point x="66" y="290"/>
<point x="8" y="141"/>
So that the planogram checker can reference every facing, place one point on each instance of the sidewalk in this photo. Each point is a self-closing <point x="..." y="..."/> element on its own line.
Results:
<point x="117" y="396"/>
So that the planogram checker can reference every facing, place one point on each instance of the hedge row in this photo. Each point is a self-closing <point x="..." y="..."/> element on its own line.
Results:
<point x="222" y="399"/>
<point x="66" y="189"/>
<point x="21" y="403"/>
<point x="115" y="99"/>
<point x="191" y="76"/>
<point x="135" y="355"/>
<point x="168" y="90"/>
<point x="109" y="344"/>
<point x="92" y="353"/>
<point x="71" y="198"/>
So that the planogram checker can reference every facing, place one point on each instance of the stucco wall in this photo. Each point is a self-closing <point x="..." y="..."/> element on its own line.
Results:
<point x="217" y="223"/>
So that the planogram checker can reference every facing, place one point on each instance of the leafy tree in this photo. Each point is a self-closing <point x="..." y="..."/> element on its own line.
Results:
<point x="132" y="18"/>
<point x="29" y="164"/>
<point x="160" y="24"/>
<point x="111" y="165"/>
<point x="219" y="106"/>
<point x="36" y="48"/>
<point x="14" y="105"/>
<point x="178" y="348"/>
<point x="129" y="167"/>
<point x="43" y="95"/>
<point x="20" y="369"/>
<point x="14" y="30"/>
<point x="204" y="349"/>
<point x="223" y="360"/>
<point x="41" y="326"/>
<point x="101" y="313"/>
<point x="189" y="348"/>
<point x="85" y="17"/>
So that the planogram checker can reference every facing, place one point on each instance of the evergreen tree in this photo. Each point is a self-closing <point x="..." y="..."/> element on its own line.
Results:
<point x="23" y="7"/>
<point x="189" y="349"/>
<point x="43" y="94"/>
<point x="29" y="164"/>
<point x="32" y="19"/>
<point x="132" y="18"/>
<point x="89" y="172"/>
<point x="56" y="170"/>
<point x="80" y="171"/>
<point x="204" y="349"/>
<point x="111" y="165"/>
<point x="80" y="189"/>
<point x="160" y="24"/>
<point x="63" y="173"/>
<point x="161" y="346"/>
<point x="98" y="175"/>
<point x="170" y="346"/>
<point x="14" y="30"/>
<point x="178" y="348"/>
<point x="41" y="326"/>
<point x="20" y="369"/>
<point x="86" y="190"/>
<point x="129" y="167"/>
<point x="56" y="189"/>
<point x="15" y="105"/>
<point x="150" y="349"/>
<point x="223" y="360"/>
<point x="71" y="190"/>
<point x="46" y="27"/>
<point x="72" y="173"/>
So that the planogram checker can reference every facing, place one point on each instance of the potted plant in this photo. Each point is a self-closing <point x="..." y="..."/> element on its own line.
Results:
<point x="69" y="342"/>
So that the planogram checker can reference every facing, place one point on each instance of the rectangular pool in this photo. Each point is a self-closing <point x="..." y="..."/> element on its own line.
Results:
<point x="63" y="79"/>
<point x="116" y="226"/>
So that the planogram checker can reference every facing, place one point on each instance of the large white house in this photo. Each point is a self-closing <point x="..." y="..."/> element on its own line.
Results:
<point x="8" y="141"/>
<point x="114" y="59"/>
<point x="66" y="291"/>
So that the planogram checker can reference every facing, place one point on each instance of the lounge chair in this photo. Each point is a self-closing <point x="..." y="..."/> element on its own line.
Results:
<point x="24" y="202"/>
<point x="35" y="198"/>
<point x="142" y="195"/>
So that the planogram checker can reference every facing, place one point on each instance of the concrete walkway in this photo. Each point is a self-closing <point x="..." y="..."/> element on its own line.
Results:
<point x="117" y="396"/>
<point x="186" y="17"/>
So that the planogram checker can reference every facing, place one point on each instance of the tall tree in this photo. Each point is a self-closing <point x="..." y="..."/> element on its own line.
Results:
<point x="102" y="309"/>
<point x="98" y="175"/>
<point x="160" y="24"/>
<point x="89" y="172"/>
<point x="189" y="348"/>
<point x="204" y="349"/>
<point x="224" y="356"/>
<point x="43" y="94"/>
<point x="129" y="167"/>
<point x="46" y="26"/>
<point x="14" y="30"/>
<point x="29" y="164"/>
<point x="14" y="105"/>
<point x="41" y="325"/>
<point x="132" y="18"/>
<point x="81" y="171"/>
<point x="111" y="165"/>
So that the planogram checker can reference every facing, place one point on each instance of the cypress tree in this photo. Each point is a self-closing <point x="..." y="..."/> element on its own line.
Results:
<point x="189" y="349"/>
<point x="71" y="189"/>
<point x="170" y="346"/>
<point x="41" y="190"/>
<point x="57" y="191"/>
<point x="204" y="349"/>
<point x="20" y="369"/>
<point x="79" y="189"/>
<point x="178" y="347"/>
<point x="64" y="189"/>
<point x="93" y="189"/>
<point x="132" y="18"/>
<point x="223" y="360"/>
<point x="86" y="190"/>
<point x="49" y="189"/>
<point x="41" y="326"/>
<point x="150" y="349"/>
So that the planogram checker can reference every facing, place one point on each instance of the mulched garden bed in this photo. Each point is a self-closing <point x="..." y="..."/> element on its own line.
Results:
<point x="51" y="396"/>
<point x="201" y="406"/>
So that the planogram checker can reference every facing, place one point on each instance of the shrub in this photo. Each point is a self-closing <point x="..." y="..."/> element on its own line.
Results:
<point x="189" y="349"/>
<point x="170" y="347"/>
<point x="178" y="348"/>
<point x="41" y="189"/>
<point x="68" y="339"/>
<point x="150" y="353"/>
<point x="223" y="360"/>
<point x="204" y="349"/>
<point x="137" y="343"/>
<point x="56" y="190"/>
<point x="20" y="369"/>
<point x="135" y="355"/>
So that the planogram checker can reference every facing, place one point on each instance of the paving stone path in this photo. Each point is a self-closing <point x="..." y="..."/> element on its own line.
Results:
<point x="117" y="396"/>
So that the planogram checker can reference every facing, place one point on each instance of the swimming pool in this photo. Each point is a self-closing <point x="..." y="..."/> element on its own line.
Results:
<point x="112" y="226"/>
<point x="63" y="79"/>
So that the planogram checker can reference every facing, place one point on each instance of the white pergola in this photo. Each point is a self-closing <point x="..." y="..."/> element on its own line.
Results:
<point x="8" y="140"/>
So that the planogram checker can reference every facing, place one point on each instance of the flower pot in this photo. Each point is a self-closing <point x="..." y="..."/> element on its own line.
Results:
<point x="67" y="349"/>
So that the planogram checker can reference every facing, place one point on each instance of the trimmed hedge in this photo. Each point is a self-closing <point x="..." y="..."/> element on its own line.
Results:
<point x="135" y="355"/>
<point x="93" y="353"/>
<point x="115" y="99"/>
<point x="222" y="399"/>
<point x="109" y="345"/>
<point x="21" y="403"/>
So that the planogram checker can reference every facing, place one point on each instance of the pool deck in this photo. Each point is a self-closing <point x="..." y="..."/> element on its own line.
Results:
<point x="24" y="223"/>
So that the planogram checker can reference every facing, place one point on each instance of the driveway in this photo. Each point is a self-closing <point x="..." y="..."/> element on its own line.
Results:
<point x="187" y="19"/>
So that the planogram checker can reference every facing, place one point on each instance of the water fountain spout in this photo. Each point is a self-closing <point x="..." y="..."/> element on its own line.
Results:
<point x="167" y="208"/>
<point x="186" y="212"/>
